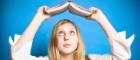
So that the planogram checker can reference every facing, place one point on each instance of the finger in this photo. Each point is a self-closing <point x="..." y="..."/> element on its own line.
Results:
<point x="42" y="8"/>
<point x="45" y="11"/>
<point x="88" y="17"/>
<point x="90" y="9"/>
<point x="93" y="10"/>
<point x="45" y="7"/>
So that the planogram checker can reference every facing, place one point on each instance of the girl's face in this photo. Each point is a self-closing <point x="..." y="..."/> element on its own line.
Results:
<point x="67" y="38"/>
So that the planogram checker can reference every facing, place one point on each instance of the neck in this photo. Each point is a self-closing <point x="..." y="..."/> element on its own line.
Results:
<point x="67" y="57"/>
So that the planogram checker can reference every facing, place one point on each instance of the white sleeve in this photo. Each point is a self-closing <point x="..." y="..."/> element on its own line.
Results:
<point x="23" y="51"/>
<point x="120" y="47"/>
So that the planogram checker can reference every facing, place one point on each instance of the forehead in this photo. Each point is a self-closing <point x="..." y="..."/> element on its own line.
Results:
<point x="66" y="27"/>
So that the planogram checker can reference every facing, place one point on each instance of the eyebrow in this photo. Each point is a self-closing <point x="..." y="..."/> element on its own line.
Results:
<point x="63" y="31"/>
<point x="72" y="31"/>
<point x="60" y="32"/>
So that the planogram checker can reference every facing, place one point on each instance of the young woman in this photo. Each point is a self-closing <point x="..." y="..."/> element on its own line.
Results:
<point x="66" y="43"/>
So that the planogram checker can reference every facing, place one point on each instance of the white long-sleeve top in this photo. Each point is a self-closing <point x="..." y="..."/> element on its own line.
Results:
<point x="120" y="47"/>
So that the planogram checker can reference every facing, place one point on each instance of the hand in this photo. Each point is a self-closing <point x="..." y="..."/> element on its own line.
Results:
<point x="41" y="13"/>
<point x="97" y="14"/>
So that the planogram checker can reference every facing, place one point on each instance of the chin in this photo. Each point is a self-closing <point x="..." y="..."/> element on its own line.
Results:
<point x="67" y="51"/>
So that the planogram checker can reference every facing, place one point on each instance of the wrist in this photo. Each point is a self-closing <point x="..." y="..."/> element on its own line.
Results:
<point x="101" y="18"/>
<point x="39" y="18"/>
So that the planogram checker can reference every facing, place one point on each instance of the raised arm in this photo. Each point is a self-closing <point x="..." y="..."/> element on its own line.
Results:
<point x="119" y="46"/>
<point x="21" y="48"/>
<point x="30" y="31"/>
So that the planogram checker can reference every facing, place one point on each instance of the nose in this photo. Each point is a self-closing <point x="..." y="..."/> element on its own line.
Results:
<point x="66" y="37"/>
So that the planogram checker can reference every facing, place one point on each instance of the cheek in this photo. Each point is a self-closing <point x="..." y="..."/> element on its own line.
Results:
<point x="60" y="42"/>
<point x="74" y="41"/>
<point x="74" y="38"/>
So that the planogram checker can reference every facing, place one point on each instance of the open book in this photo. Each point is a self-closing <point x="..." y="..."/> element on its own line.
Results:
<point x="72" y="8"/>
<point x="58" y="9"/>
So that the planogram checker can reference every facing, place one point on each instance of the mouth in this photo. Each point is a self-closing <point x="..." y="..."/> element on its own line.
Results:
<point x="67" y="45"/>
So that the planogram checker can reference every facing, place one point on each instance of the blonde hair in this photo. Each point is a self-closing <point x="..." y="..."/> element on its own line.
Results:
<point x="79" y="53"/>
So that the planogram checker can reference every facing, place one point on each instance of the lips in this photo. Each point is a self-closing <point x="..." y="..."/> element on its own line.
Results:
<point x="67" y="45"/>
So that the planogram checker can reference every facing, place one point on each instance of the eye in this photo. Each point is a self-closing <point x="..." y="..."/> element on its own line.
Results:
<point x="61" y="33"/>
<point x="72" y="33"/>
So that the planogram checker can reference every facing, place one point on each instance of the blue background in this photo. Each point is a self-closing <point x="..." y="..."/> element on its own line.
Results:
<point x="15" y="16"/>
